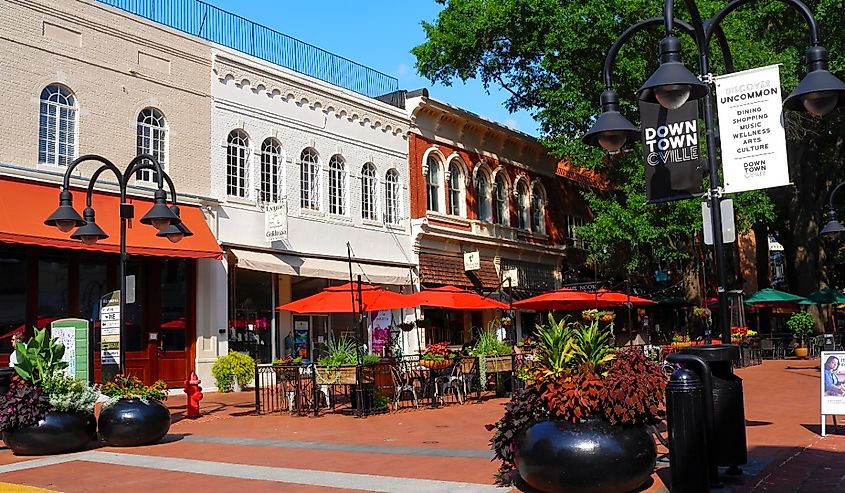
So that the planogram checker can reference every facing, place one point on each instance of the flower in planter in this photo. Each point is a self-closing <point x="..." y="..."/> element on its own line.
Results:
<point x="575" y="375"/>
<point x="129" y="387"/>
<point x="701" y="312"/>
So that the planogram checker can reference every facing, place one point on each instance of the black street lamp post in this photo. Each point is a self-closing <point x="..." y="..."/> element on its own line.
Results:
<point x="672" y="85"/>
<point x="165" y="219"/>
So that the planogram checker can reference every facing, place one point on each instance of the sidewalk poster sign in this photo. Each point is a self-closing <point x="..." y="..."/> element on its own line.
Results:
<point x="751" y="129"/>
<point x="673" y="163"/>
<point x="832" y="384"/>
<point x="110" y="333"/>
<point x="72" y="333"/>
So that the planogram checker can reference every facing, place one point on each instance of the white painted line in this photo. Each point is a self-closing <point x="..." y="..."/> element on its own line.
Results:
<point x="46" y="461"/>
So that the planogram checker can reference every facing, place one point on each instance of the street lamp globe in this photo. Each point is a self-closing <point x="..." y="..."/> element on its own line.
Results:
<point x="672" y="84"/>
<point x="65" y="218"/>
<point x="90" y="233"/>
<point x="820" y="103"/>
<point x="611" y="131"/>
<point x="819" y="92"/>
<point x="177" y="230"/>
<point x="160" y="216"/>
<point x="672" y="96"/>
<point x="612" y="141"/>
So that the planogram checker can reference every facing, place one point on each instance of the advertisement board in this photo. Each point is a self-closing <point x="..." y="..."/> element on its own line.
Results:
<point x="832" y="384"/>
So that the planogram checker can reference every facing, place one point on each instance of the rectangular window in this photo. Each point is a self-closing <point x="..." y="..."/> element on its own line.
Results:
<point x="572" y="224"/>
<point x="12" y="298"/>
<point x="53" y="288"/>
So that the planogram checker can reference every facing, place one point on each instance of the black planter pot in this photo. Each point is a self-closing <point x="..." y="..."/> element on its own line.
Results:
<point x="130" y="422"/>
<point x="57" y="433"/>
<point x="588" y="457"/>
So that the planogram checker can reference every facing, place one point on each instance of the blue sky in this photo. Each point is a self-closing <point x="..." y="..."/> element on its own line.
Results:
<point x="379" y="34"/>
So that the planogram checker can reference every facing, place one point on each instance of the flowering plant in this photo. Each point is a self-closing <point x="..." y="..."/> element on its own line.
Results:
<point x="128" y="387"/>
<point x="740" y="334"/>
<point x="438" y="351"/>
<point x="595" y="314"/>
<point x="700" y="312"/>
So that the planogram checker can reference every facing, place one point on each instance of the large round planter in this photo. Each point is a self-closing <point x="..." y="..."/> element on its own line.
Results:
<point x="588" y="457"/>
<point x="131" y="422"/>
<point x="57" y="433"/>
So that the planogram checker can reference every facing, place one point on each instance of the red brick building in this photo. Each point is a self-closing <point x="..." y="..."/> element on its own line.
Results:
<point x="478" y="186"/>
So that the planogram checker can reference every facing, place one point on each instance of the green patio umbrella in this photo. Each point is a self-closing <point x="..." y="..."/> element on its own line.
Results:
<point x="825" y="296"/>
<point x="773" y="297"/>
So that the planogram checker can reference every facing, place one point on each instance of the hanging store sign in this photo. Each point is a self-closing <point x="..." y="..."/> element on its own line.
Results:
<point x="751" y="129"/>
<point x="472" y="261"/>
<point x="673" y="164"/>
<point x="276" y="221"/>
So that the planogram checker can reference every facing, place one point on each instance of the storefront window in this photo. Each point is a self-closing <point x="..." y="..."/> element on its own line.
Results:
<point x="174" y="304"/>
<point x="251" y="311"/>
<point x="52" y="291"/>
<point x="12" y="298"/>
<point x="93" y="285"/>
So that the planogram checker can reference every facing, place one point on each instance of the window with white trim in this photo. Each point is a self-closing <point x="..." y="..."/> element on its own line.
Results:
<point x="523" y="206"/>
<point x="309" y="179"/>
<point x="237" y="164"/>
<point x="572" y="225"/>
<point x="501" y="214"/>
<point x="271" y="166"/>
<point x="456" y="190"/>
<point x="392" y="192"/>
<point x="151" y="139"/>
<point x="337" y="185"/>
<point x="57" y="126"/>
<point x="368" y="192"/>
<point x="482" y="196"/>
<point x="538" y="210"/>
<point x="432" y="184"/>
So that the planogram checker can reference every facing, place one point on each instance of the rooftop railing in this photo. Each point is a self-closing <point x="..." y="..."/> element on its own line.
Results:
<point x="225" y="28"/>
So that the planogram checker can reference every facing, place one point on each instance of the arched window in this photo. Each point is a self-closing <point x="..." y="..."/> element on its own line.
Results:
<point x="271" y="166"/>
<point x="538" y="209"/>
<point x="392" y="192"/>
<point x="152" y="140"/>
<point x="237" y="164"/>
<point x="368" y="192"/>
<point x="501" y="214"/>
<point x="337" y="185"/>
<point x="482" y="196"/>
<point x="432" y="184"/>
<point x="57" y="126"/>
<point x="309" y="178"/>
<point x="456" y="190"/>
<point x="522" y="206"/>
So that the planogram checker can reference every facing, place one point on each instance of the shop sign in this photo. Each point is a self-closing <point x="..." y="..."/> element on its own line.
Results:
<point x="751" y="129"/>
<point x="110" y="328"/>
<point x="673" y="164"/>
<point x="472" y="261"/>
<point x="276" y="221"/>
<point x="72" y="333"/>
<point x="832" y="384"/>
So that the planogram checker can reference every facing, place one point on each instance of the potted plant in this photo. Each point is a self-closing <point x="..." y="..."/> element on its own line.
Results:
<point x="802" y="325"/>
<point x="579" y="422"/>
<point x="234" y="371"/>
<point x="437" y="356"/>
<point x="133" y="414"/>
<point x="493" y="354"/>
<point x="406" y="326"/>
<point x="701" y="313"/>
<point x="337" y="366"/>
<point x="46" y="411"/>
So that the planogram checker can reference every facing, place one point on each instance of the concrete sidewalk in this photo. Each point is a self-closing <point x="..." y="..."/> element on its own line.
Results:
<point x="425" y="450"/>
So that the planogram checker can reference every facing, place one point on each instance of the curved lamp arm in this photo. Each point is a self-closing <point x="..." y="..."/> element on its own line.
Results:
<point x="107" y="166"/>
<point x="89" y="157"/>
<point x="141" y="159"/>
<point x="813" y="28"/>
<point x="833" y="194"/>
<point x="167" y="180"/>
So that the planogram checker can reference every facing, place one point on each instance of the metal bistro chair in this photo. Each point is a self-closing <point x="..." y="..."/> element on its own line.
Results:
<point x="402" y="383"/>
<point x="767" y="345"/>
<point x="452" y="381"/>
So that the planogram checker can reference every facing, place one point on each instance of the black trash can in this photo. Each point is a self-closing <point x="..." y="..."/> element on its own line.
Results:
<point x="728" y="407"/>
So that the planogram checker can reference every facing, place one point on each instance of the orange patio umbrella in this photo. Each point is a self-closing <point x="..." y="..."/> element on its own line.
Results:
<point x="564" y="300"/>
<point x="622" y="298"/>
<point x="455" y="298"/>
<point x="339" y="299"/>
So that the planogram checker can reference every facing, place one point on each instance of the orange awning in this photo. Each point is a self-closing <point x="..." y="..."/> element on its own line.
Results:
<point x="24" y="206"/>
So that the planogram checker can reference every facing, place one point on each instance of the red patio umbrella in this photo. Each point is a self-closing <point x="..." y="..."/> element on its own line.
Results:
<point x="622" y="298"/>
<point x="564" y="299"/>
<point x="455" y="298"/>
<point x="338" y="299"/>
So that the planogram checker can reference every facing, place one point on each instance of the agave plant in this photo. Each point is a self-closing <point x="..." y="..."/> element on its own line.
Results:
<point x="39" y="358"/>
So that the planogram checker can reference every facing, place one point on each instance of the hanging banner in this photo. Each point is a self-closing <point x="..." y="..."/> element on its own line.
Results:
<point x="751" y="129"/>
<point x="276" y="221"/>
<point x="833" y="385"/>
<point x="673" y="164"/>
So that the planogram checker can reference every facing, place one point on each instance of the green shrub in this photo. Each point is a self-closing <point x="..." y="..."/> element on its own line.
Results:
<point x="70" y="394"/>
<point x="801" y="324"/>
<point x="340" y="352"/>
<point x="234" y="367"/>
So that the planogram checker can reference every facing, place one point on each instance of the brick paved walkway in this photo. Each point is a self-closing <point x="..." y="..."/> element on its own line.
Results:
<point x="426" y="450"/>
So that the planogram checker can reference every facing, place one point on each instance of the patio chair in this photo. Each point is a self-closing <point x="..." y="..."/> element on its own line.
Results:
<point x="468" y="374"/>
<point x="402" y="383"/>
<point x="767" y="345"/>
<point x="452" y="381"/>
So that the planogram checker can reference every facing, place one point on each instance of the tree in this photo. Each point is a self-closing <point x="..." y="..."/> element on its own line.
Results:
<point x="548" y="54"/>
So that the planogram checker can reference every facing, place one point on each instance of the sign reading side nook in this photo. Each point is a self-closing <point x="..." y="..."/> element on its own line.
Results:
<point x="751" y="129"/>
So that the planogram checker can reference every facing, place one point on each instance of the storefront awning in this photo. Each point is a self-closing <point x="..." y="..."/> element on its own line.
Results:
<point x="294" y="265"/>
<point x="24" y="206"/>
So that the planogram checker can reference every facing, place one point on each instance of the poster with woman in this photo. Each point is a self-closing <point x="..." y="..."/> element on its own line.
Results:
<point x="832" y="385"/>
<point x="380" y="330"/>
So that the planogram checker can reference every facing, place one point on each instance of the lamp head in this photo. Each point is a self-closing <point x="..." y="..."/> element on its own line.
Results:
<point x="175" y="232"/>
<point x="672" y="84"/>
<point x="159" y="215"/>
<point x="819" y="92"/>
<point x="90" y="233"/>
<point x="833" y="230"/>
<point x="611" y="131"/>
<point x="65" y="217"/>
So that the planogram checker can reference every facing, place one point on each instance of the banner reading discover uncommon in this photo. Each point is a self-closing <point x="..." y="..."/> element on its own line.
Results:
<point x="751" y="129"/>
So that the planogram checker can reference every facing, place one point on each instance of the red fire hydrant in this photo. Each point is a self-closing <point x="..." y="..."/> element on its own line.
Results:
<point x="193" y="392"/>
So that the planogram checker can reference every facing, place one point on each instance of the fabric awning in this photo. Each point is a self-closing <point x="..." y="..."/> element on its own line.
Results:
<point x="338" y="270"/>
<point x="24" y="206"/>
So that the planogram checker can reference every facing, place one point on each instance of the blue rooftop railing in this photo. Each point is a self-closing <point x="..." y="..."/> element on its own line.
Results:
<point x="225" y="28"/>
